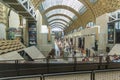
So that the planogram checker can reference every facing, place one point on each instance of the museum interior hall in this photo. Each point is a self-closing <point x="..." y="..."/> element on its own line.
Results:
<point x="59" y="39"/>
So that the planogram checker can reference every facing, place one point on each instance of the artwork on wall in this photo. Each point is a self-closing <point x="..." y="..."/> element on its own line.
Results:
<point x="111" y="33"/>
<point x="32" y="34"/>
<point x="14" y="33"/>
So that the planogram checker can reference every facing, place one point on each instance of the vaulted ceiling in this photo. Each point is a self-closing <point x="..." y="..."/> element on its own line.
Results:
<point x="74" y="13"/>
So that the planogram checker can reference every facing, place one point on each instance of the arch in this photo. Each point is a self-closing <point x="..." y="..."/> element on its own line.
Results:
<point x="60" y="15"/>
<point x="61" y="11"/>
<point x="57" y="27"/>
<point x="58" y="19"/>
<point x="88" y="5"/>
<point x="59" y="23"/>
<point x="61" y="7"/>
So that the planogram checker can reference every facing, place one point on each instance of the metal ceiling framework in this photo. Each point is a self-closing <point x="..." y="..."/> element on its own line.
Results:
<point x="22" y="7"/>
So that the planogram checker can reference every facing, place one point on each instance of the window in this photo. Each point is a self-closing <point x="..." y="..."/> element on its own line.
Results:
<point x="90" y="24"/>
<point x="93" y="1"/>
<point x="82" y="10"/>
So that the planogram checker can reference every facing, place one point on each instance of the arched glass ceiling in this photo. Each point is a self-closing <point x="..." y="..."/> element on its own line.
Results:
<point x="59" y="17"/>
<point x="61" y="11"/>
<point x="59" y="21"/>
<point x="75" y="4"/>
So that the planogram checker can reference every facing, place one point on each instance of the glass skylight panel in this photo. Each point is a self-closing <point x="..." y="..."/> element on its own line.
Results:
<point x="93" y="1"/>
<point x="57" y="29"/>
<point x="83" y="9"/>
<point x="58" y="21"/>
<point x="59" y="17"/>
<point x="90" y="24"/>
<point x="75" y="4"/>
<point x="58" y="24"/>
<point x="61" y="11"/>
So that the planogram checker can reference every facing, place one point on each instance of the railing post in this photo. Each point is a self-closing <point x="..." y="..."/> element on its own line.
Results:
<point x="41" y="78"/>
<point x="93" y="75"/>
<point x="100" y="62"/>
<point x="75" y="62"/>
<point x="47" y="59"/>
<point x="17" y="67"/>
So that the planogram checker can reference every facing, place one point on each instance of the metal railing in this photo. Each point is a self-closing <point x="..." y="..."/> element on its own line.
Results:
<point x="82" y="59"/>
<point x="108" y="74"/>
<point x="47" y="66"/>
<point x="39" y="77"/>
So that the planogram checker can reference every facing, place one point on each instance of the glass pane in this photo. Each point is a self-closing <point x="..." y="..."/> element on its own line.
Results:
<point x="90" y="24"/>
<point x="93" y="1"/>
<point x="61" y="11"/>
<point x="75" y="4"/>
<point x="58" y="24"/>
<point x="57" y="27"/>
<point x="58" y="21"/>
<point x="59" y="17"/>
<point x="83" y="9"/>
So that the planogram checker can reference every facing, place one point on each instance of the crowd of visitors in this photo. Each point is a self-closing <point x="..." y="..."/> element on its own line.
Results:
<point x="66" y="48"/>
